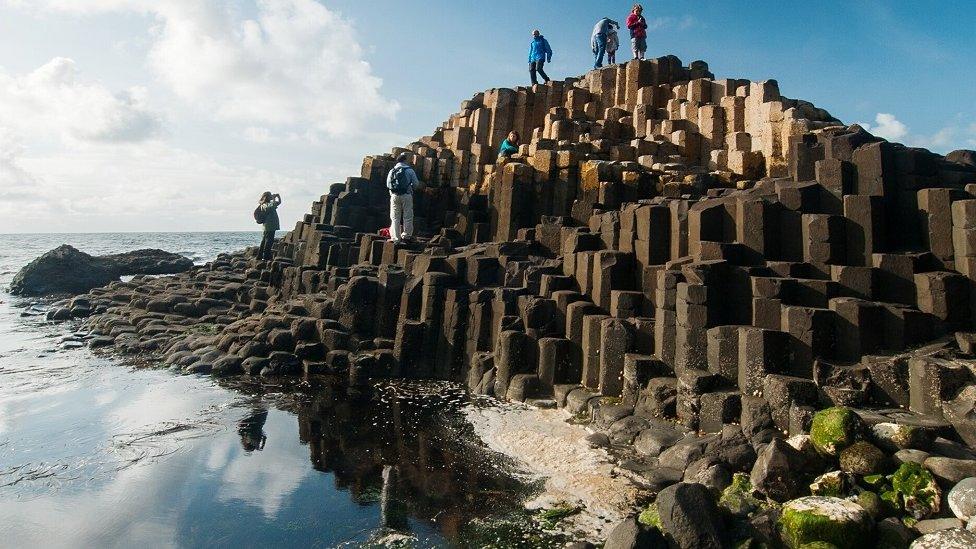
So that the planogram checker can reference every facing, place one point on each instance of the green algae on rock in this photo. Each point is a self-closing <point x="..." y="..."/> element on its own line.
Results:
<point x="834" y="429"/>
<point x="834" y="484"/>
<point x="737" y="497"/>
<point x="819" y="519"/>
<point x="554" y="515"/>
<point x="916" y="490"/>
<point x="650" y="517"/>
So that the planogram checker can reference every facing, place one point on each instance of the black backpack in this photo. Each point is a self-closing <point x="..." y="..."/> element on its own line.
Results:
<point x="260" y="214"/>
<point x="400" y="182"/>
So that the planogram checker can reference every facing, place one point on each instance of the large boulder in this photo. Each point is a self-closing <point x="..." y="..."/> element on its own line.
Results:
<point x="953" y="538"/>
<point x="962" y="499"/>
<point x="62" y="270"/>
<point x="66" y="270"/>
<point x="812" y="519"/>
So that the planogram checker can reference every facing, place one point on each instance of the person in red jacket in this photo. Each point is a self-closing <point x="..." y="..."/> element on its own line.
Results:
<point x="638" y="31"/>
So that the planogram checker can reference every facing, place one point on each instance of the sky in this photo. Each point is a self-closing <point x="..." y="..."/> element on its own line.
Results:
<point x="174" y="115"/>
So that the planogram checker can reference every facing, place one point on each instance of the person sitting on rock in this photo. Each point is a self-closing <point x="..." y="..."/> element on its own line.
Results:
<point x="268" y="212"/>
<point x="401" y="182"/>
<point x="613" y="43"/>
<point x="638" y="31"/>
<point x="510" y="145"/>
<point x="598" y="41"/>
<point x="539" y="54"/>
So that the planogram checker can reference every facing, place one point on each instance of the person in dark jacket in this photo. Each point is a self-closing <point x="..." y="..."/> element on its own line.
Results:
<point x="638" y="31"/>
<point x="510" y="145"/>
<point x="269" y="205"/>
<point x="598" y="40"/>
<point x="539" y="54"/>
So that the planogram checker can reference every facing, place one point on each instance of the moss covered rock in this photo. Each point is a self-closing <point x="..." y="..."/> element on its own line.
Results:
<point x="835" y="484"/>
<point x="650" y="517"/>
<point x="834" y="429"/>
<point x="737" y="498"/>
<point x="871" y="503"/>
<point x="916" y="490"/>
<point x="812" y="519"/>
<point x="861" y="458"/>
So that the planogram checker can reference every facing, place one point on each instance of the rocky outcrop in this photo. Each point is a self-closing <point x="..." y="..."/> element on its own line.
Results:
<point x="740" y="291"/>
<point x="66" y="270"/>
<point x="147" y="262"/>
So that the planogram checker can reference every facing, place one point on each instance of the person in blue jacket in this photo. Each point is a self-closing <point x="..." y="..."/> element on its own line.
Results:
<point x="598" y="40"/>
<point x="539" y="54"/>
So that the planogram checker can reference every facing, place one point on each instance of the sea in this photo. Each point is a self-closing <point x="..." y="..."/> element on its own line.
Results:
<point x="99" y="452"/>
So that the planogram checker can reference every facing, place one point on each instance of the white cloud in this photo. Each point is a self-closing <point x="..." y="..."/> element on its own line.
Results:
<point x="76" y="155"/>
<point x="20" y="190"/>
<point x="887" y="126"/>
<point x="256" y="134"/>
<point x="53" y="99"/>
<point x="954" y="135"/>
<point x="940" y="139"/>
<point x="295" y="64"/>
<point x="145" y="186"/>
<point x="12" y="175"/>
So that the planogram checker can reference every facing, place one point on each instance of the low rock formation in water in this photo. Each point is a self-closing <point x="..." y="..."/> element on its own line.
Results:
<point x="741" y="292"/>
<point x="66" y="270"/>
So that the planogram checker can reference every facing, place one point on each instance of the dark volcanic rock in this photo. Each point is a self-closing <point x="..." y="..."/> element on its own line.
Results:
<point x="147" y="261"/>
<point x="776" y="472"/>
<point x="689" y="516"/>
<point x="66" y="270"/>
<point x="62" y="270"/>
<point x="628" y="534"/>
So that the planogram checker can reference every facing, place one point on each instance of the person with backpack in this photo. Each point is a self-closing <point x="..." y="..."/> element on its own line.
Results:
<point x="598" y="40"/>
<point x="613" y="43"/>
<point x="638" y="31"/>
<point x="539" y="54"/>
<point x="401" y="182"/>
<point x="267" y="214"/>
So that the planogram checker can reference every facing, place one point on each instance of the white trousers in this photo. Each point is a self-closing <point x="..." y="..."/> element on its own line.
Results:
<point x="401" y="207"/>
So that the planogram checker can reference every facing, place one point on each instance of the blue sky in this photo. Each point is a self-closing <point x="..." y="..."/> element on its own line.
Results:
<point x="174" y="114"/>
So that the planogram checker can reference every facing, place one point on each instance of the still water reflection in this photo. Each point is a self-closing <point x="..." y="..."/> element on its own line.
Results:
<point x="97" y="454"/>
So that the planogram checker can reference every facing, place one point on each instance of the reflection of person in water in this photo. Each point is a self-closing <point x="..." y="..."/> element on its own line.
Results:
<point x="251" y="431"/>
